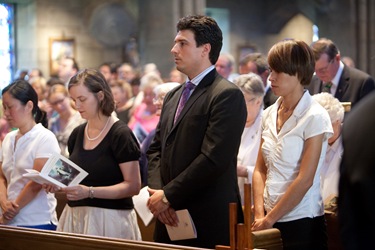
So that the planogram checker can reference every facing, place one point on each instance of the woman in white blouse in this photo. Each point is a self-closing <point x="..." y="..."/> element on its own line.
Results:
<point x="295" y="132"/>
<point x="252" y="88"/>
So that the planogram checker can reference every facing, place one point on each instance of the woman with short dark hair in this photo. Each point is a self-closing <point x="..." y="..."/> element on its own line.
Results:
<point x="296" y="129"/>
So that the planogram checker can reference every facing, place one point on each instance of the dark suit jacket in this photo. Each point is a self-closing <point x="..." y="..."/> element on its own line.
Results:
<point x="353" y="85"/>
<point x="357" y="177"/>
<point x="194" y="160"/>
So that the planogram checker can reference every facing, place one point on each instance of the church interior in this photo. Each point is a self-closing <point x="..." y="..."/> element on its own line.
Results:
<point x="142" y="31"/>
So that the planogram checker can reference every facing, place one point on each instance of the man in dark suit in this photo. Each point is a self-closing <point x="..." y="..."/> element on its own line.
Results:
<point x="257" y="64"/>
<point x="193" y="158"/>
<point x="357" y="177"/>
<point x="347" y="84"/>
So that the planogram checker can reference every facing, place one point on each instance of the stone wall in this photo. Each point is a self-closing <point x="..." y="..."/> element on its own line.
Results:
<point x="149" y="27"/>
<point x="39" y="21"/>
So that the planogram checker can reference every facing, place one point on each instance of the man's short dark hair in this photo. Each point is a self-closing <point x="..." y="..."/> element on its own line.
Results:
<point x="258" y="59"/>
<point x="205" y="30"/>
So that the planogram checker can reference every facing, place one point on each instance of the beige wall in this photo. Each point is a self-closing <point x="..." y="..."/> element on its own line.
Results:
<point x="299" y="27"/>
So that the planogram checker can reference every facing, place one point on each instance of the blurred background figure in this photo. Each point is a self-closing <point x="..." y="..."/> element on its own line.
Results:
<point x="52" y="81"/>
<point x="330" y="172"/>
<point x="252" y="88"/>
<point x="144" y="119"/>
<point x="21" y="74"/>
<point x="39" y="84"/>
<point x="122" y="93"/>
<point x="4" y="125"/>
<point x="135" y="84"/>
<point x="109" y="71"/>
<point x="177" y="76"/>
<point x="345" y="83"/>
<point x="224" y="66"/>
<point x="68" y="67"/>
<point x="35" y="72"/>
<point x="67" y="117"/>
<point x="348" y="61"/>
<point x="257" y="63"/>
<point x="160" y="92"/>
<point x="150" y="68"/>
<point x="126" y="72"/>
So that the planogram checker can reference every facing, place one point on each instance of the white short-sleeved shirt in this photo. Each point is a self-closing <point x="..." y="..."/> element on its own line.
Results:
<point x="282" y="153"/>
<point x="39" y="142"/>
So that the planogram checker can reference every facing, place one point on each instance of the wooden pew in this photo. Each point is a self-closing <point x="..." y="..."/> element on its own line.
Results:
<point x="265" y="239"/>
<point x="240" y="235"/>
<point x="16" y="238"/>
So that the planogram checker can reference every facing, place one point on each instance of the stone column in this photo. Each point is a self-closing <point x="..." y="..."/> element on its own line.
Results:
<point x="365" y="36"/>
<point x="157" y="29"/>
<point x="362" y="22"/>
<point x="27" y="50"/>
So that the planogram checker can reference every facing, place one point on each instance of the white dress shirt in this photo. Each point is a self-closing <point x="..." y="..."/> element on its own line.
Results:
<point x="336" y="79"/>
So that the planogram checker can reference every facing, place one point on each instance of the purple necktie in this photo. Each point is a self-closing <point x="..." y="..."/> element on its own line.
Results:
<point x="184" y="97"/>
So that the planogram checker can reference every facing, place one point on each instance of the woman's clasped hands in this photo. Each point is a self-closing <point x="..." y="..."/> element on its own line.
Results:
<point x="10" y="209"/>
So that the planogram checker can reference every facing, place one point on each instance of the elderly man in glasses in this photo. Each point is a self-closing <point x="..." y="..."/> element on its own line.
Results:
<point x="333" y="76"/>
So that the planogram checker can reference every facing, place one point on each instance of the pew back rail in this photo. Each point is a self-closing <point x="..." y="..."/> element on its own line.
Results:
<point x="16" y="238"/>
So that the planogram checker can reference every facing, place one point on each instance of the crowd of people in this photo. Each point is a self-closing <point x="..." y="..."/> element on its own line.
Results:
<point x="194" y="138"/>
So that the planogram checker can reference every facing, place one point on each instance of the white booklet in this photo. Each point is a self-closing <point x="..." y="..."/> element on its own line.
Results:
<point x="140" y="205"/>
<point x="185" y="228"/>
<point x="59" y="171"/>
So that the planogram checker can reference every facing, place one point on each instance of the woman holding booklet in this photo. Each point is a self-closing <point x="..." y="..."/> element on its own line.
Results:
<point x="23" y="202"/>
<point x="107" y="149"/>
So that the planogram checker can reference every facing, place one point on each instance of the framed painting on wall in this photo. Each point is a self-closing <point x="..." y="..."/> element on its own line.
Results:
<point x="58" y="49"/>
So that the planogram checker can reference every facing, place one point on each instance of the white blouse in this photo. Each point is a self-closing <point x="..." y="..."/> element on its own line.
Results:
<point x="330" y="173"/>
<point x="248" y="151"/>
<point x="39" y="142"/>
<point x="282" y="153"/>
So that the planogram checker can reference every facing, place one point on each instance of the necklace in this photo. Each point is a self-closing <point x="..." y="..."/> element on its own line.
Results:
<point x="282" y="116"/>
<point x="93" y="139"/>
<point x="285" y="109"/>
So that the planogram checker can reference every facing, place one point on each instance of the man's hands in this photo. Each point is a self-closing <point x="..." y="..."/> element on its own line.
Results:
<point x="161" y="210"/>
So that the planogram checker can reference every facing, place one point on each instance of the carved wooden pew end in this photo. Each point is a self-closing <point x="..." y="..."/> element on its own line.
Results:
<point x="241" y="236"/>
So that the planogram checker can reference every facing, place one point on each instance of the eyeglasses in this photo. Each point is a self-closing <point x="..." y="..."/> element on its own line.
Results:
<point x="57" y="102"/>
<point x="250" y="101"/>
<point x="158" y="99"/>
<point x="324" y="69"/>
